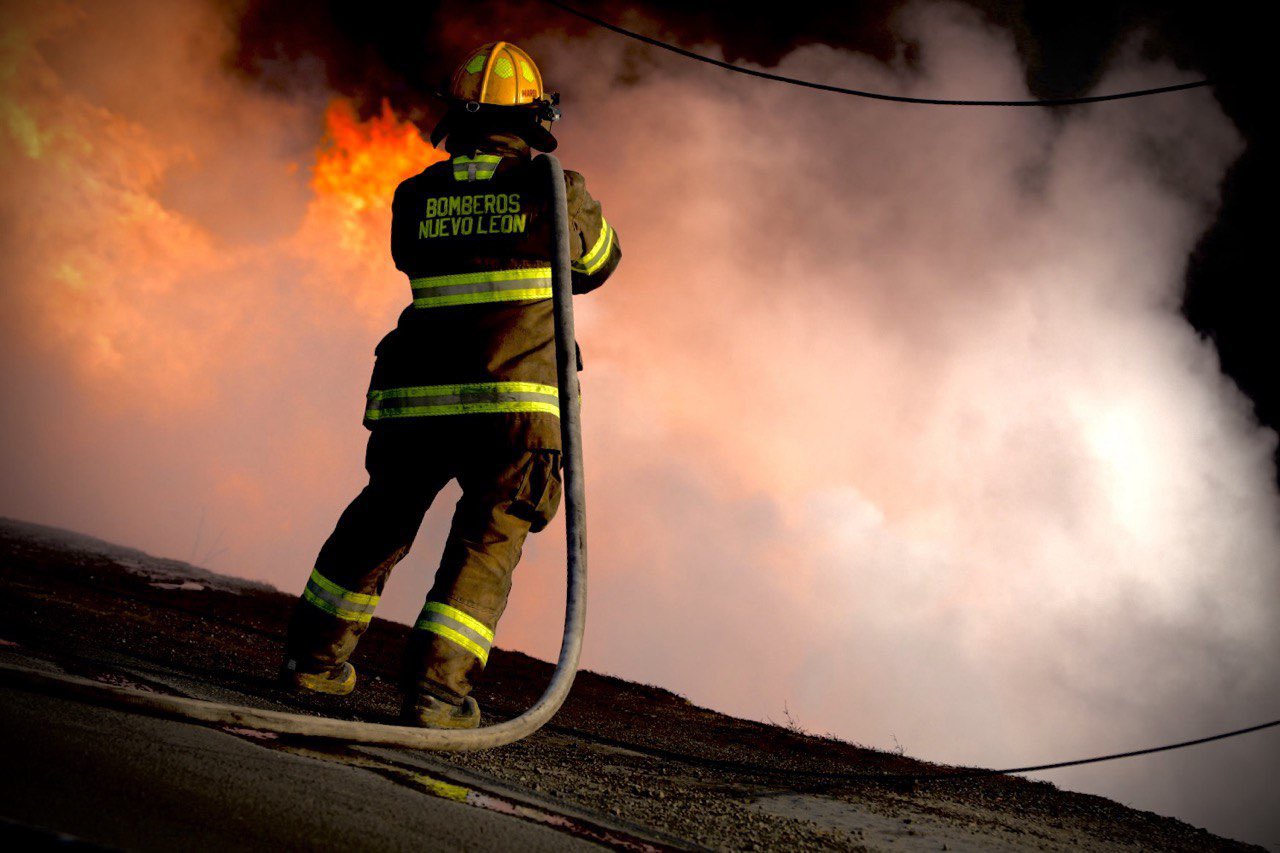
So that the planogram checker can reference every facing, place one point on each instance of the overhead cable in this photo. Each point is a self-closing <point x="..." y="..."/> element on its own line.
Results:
<point x="827" y="779"/>
<point x="1099" y="758"/>
<point x="861" y="93"/>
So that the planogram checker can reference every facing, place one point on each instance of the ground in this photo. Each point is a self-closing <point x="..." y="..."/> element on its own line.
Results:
<point x="622" y="765"/>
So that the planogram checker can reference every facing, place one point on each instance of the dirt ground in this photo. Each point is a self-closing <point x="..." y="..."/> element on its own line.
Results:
<point x="623" y="765"/>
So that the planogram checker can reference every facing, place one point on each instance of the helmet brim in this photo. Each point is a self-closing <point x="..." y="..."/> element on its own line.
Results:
<point x="541" y="138"/>
<point x="519" y="120"/>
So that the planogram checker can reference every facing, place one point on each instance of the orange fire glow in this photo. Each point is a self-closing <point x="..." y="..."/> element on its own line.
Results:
<point x="358" y="166"/>
<point x="362" y="162"/>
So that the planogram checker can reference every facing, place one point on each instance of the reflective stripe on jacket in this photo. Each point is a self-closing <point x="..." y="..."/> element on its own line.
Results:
<point x="469" y="288"/>
<point x="476" y="398"/>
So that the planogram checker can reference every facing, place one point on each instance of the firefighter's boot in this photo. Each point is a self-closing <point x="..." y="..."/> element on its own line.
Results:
<point x="336" y="682"/>
<point x="429" y="712"/>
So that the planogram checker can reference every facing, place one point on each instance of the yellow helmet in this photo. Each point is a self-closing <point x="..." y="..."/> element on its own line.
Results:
<point x="502" y="82"/>
<point x="498" y="73"/>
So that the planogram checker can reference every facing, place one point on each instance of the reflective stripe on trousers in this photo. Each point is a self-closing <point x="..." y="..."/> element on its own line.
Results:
<point x="337" y="600"/>
<point x="470" y="288"/>
<point x="458" y="627"/>
<point x="472" y="398"/>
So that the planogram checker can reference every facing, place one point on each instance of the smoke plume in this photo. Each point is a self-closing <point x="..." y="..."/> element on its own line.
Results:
<point x="890" y="413"/>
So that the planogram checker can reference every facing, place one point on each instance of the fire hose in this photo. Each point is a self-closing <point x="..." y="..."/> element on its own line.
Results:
<point x="500" y="734"/>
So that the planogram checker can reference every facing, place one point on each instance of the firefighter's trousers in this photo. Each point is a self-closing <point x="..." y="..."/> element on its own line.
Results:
<point x="507" y="491"/>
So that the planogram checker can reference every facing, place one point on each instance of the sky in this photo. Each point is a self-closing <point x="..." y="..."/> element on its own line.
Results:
<point x="892" y="417"/>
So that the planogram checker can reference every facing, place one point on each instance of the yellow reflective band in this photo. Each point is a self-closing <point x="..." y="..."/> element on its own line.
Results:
<point x="472" y="288"/>
<point x="479" y="277"/>
<point x="464" y="409"/>
<point x="354" y="597"/>
<point x="481" y="167"/>
<point x="478" y="298"/>
<point x="600" y="239"/>
<point x="458" y="616"/>
<point x="474" y="398"/>
<point x="599" y="253"/>
<point x="444" y="390"/>
<point x="348" y="615"/>
<point x="449" y="634"/>
<point x="482" y="174"/>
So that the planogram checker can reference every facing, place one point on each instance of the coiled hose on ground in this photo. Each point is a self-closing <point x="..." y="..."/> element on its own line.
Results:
<point x="283" y="722"/>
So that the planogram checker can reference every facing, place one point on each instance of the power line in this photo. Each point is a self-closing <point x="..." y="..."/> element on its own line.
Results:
<point x="1096" y="759"/>
<point x="860" y="93"/>
<point x="829" y="778"/>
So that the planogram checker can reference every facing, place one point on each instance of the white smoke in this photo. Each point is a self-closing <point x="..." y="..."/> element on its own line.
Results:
<point x="890" y="413"/>
<point x="893" y="418"/>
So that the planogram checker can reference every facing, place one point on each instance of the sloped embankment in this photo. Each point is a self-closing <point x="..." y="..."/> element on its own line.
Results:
<point x="634" y="764"/>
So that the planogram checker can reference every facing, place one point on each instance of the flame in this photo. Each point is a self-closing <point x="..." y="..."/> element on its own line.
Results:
<point x="361" y="163"/>
<point x="137" y="298"/>
<point x="358" y="166"/>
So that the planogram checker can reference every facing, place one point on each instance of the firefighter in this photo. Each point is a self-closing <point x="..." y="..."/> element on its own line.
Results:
<point x="463" y="388"/>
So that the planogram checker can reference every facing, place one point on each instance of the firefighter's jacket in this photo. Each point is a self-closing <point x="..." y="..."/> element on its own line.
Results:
<point x="473" y="234"/>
